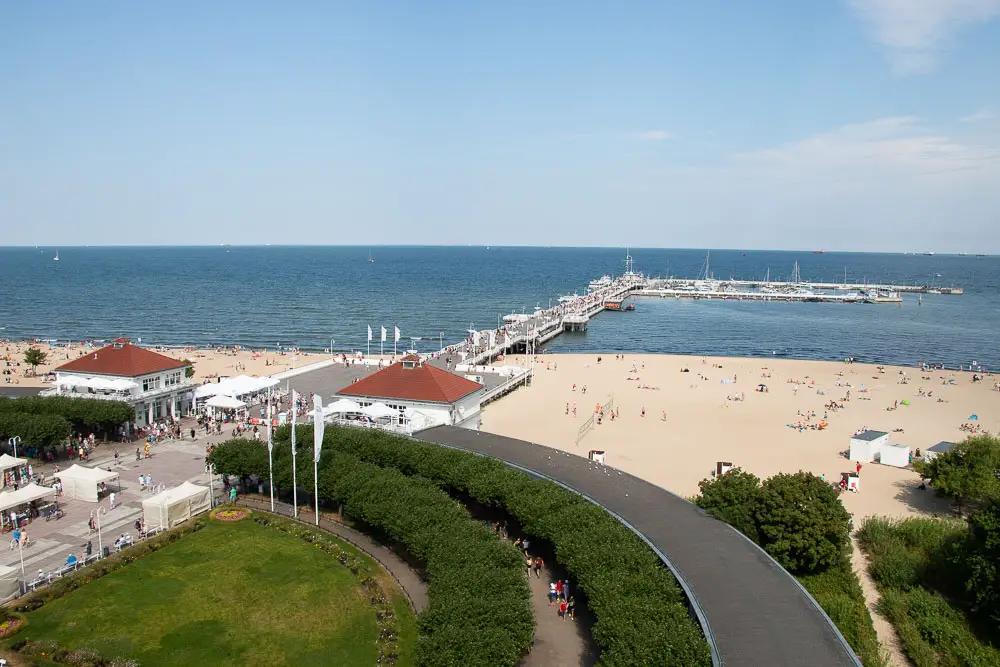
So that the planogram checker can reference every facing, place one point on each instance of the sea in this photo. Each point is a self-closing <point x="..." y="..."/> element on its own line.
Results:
<point x="306" y="296"/>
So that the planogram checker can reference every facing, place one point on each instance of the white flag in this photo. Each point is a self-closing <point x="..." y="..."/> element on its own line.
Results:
<point x="493" y="339"/>
<point x="270" y="440"/>
<point x="369" y="332"/>
<point x="397" y="334"/>
<point x="383" y="334"/>
<point x="506" y="339"/>
<point x="476" y="339"/>
<point x="295" y="409"/>
<point x="318" y="426"/>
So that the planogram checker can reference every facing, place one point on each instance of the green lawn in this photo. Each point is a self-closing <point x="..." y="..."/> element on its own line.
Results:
<point x="230" y="594"/>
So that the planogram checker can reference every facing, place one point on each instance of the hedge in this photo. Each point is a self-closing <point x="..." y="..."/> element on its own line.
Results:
<point x="641" y="616"/>
<point x="85" y="414"/>
<point x="40" y="430"/>
<point x="480" y="609"/>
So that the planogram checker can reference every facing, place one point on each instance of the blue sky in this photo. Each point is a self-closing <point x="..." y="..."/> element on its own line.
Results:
<point x="843" y="124"/>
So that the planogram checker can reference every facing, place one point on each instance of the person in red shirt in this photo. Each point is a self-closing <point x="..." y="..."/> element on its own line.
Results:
<point x="859" y="469"/>
<point x="562" y="610"/>
<point x="559" y="588"/>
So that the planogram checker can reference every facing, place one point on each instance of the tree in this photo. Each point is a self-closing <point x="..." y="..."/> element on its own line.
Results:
<point x="35" y="358"/>
<point x="189" y="371"/>
<point x="982" y="559"/>
<point x="969" y="471"/>
<point x="801" y="522"/>
<point x="732" y="497"/>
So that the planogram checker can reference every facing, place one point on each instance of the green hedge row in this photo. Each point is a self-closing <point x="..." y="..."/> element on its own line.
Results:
<point x="641" y="616"/>
<point x="480" y="608"/>
<point x="85" y="414"/>
<point x="33" y="429"/>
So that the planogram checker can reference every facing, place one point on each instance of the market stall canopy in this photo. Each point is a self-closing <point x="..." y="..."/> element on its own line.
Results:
<point x="80" y="483"/>
<point x="10" y="588"/>
<point x="225" y="402"/>
<point x="7" y="462"/>
<point x="116" y="384"/>
<point x="170" y="507"/>
<point x="24" y="495"/>
<point x="379" y="411"/>
<point x="342" y="406"/>
<point x="241" y="385"/>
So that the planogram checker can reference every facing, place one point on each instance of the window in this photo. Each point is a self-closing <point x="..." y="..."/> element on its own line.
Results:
<point x="151" y="383"/>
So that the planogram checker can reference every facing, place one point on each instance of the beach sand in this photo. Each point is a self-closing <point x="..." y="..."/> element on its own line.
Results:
<point x="703" y="427"/>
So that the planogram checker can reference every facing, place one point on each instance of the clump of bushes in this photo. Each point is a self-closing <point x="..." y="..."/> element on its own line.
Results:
<point x="937" y="580"/>
<point x="83" y="414"/>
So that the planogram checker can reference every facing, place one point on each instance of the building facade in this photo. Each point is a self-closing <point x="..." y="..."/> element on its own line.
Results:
<point x="155" y="385"/>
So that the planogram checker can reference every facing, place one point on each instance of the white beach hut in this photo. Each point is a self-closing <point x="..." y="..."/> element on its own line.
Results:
<point x="936" y="450"/>
<point x="866" y="445"/>
<point x="895" y="455"/>
<point x="171" y="507"/>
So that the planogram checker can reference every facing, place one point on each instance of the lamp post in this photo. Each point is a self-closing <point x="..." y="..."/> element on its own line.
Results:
<point x="20" y="555"/>
<point x="14" y="442"/>
<point x="100" y="542"/>
<point x="332" y="341"/>
<point x="211" y="482"/>
<point x="270" y="448"/>
<point x="441" y="341"/>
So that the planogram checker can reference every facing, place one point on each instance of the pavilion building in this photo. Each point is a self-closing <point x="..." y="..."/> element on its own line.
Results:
<point x="434" y="395"/>
<point x="154" y="384"/>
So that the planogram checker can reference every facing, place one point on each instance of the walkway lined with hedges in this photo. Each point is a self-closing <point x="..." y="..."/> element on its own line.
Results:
<point x="757" y="614"/>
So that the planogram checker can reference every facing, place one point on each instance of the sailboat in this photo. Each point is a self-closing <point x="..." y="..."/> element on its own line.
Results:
<point x="371" y="260"/>
<point x="56" y="258"/>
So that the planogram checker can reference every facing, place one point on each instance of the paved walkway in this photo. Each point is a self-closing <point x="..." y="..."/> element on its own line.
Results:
<point x="755" y="612"/>
<point x="414" y="587"/>
<point x="556" y="641"/>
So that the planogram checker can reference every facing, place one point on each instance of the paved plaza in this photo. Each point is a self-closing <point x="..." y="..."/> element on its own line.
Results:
<point x="172" y="462"/>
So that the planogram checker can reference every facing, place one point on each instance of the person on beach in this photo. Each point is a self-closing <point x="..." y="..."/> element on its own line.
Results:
<point x="643" y="413"/>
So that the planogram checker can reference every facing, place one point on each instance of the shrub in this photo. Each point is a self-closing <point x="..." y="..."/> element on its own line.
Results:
<point x="801" y="522"/>
<point x="41" y="429"/>
<point x="640" y="613"/>
<point x="732" y="498"/>
<point x="84" y="414"/>
<point x="981" y="558"/>
<point x="967" y="472"/>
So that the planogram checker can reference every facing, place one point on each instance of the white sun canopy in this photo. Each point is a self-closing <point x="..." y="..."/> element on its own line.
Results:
<point x="80" y="483"/>
<point x="241" y="385"/>
<point x="225" y="402"/>
<point x="170" y="507"/>
<point x="97" y="383"/>
<point x="24" y="495"/>
<point x="341" y="406"/>
<point x="7" y="462"/>
<point x="379" y="411"/>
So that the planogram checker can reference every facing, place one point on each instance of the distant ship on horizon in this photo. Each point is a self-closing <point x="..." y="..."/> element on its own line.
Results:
<point x="928" y="253"/>
<point x="819" y="252"/>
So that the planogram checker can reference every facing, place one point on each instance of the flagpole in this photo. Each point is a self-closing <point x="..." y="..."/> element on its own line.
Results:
<point x="270" y="447"/>
<point x="295" y="485"/>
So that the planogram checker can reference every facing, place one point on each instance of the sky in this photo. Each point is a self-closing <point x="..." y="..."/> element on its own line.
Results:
<point x="866" y="125"/>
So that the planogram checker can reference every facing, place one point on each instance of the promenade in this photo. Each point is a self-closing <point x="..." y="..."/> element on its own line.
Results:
<point x="752" y="610"/>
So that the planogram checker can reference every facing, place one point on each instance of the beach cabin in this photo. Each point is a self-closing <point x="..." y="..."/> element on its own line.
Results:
<point x="597" y="456"/>
<point x="154" y="384"/>
<point x="866" y="445"/>
<point x="850" y="481"/>
<point x="895" y="455"/>
<point x="418" y="393"/>
<point x="722" y="467"/>
<point x="932" y="452"/>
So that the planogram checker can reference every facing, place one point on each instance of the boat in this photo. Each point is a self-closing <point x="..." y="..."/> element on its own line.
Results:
<point x="928" y="253"/>
<point x="56" y="258"/>
<point x="600" y="283"/>
<point x="566" y="298"/>
<point x="619" y="306"/>
<point x="819" y="252"/>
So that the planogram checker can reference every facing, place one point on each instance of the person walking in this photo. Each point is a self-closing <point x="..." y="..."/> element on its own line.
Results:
<point x="112" y="499"/>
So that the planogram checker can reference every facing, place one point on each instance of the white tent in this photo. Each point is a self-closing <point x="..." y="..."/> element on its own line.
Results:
<point x="379" y="411"/>
<point x="418" y="419"/>
<point x="225" y="402"/>
<point x="341" y="406"/>
<point x="81" y="483"/>
<point x="24" y="495"/>
<point x="241" y="385"/>
<point x="208" y="389"/>
<point x="895" y="455"/>
<point x="10" y="588"/>
<point x="7" y="462"/>
<point x="170" y="507"/>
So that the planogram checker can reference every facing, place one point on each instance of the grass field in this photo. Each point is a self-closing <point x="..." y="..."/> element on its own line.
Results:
<point x="230" y="594"/>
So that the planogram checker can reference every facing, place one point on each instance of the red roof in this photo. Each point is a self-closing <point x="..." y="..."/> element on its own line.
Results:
<point x="421" y="382"/>
<point x="123" y="359"/>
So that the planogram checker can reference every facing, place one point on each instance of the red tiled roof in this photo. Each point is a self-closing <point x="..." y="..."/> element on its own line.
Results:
<point x="121" y="358"/>
<point x="423" y="382"/>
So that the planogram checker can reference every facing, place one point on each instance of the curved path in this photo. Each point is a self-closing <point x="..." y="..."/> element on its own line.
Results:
<point x="752" y="611"/>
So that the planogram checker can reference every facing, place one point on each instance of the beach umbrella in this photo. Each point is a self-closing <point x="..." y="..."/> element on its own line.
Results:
<point x="974" y="418"/>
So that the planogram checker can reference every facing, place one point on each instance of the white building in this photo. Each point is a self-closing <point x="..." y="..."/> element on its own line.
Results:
<point x="867" y="445"/>
<point x="430" y="396"/>
<point x="154" y="384"/>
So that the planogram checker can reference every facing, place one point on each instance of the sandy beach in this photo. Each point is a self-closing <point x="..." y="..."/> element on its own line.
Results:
<point x="715" y="412"/>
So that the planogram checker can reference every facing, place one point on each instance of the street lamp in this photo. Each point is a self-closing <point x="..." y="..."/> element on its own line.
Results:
<point x="332" y="341"/>
<point x="100" y="542"/>
<point x="20" y="555"/>
<point x="14" y="442"/>
<point x="441" y="340"/>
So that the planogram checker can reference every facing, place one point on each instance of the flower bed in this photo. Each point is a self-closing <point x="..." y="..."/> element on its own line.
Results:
<point x="230" y="514"/>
